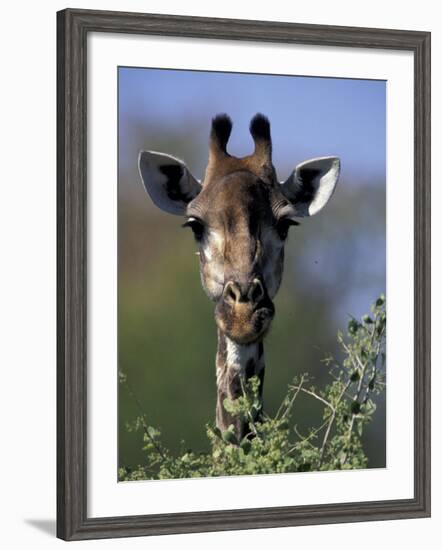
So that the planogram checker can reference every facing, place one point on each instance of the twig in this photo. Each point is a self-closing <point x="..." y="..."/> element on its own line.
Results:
<point x="306" y="439"/>
<point x="292" y="400"/>
<point x="316" y="396"/>
<point x="331" y="422"/>
<point x="145" y="430"/>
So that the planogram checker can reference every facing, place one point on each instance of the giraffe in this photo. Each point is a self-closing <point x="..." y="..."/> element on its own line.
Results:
<point x="240" y="215"/>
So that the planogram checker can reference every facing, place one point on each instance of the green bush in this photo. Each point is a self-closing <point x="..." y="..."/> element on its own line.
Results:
<point x="274" y="444"/>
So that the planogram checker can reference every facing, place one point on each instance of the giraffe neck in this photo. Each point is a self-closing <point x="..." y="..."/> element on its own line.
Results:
<point x="234" y="361"/>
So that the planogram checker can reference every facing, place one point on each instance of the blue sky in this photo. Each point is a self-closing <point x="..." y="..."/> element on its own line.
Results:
<point x="309" y="116"/>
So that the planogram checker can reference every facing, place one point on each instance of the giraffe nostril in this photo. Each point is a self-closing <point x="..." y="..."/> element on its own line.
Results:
<point x="232" y="293"/>
<point x="251" y="293"/>
<point x="256" y="291"/>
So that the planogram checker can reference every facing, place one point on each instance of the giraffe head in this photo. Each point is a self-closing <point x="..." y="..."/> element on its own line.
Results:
<point x="240" y="216"/>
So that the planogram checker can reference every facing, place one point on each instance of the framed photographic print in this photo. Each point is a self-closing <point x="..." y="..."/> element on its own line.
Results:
<point x="243" y="274"/>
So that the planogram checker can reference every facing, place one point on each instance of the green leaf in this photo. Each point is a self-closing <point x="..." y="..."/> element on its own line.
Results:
<point x="216" y="431"/>
<point x="355" y="376"/>
<point x="152" y="432"/>
<point x="229" y="435"/>
<point x="229" y="406"/>
<point x="246" y="445"/>
<point x="380" y="301"/>
<point x="284" y="424"/>
<point x="353" y="326"/>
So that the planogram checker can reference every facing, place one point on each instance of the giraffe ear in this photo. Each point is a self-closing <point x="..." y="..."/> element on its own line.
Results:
<point x="311" y="184"/>
<point x="168" y="182"/>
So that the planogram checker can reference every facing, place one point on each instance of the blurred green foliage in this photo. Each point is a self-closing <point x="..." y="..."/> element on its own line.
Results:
<point x="274" y="444"/>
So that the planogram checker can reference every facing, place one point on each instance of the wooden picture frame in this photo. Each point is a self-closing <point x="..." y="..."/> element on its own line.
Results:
<point x="73" y="27"/>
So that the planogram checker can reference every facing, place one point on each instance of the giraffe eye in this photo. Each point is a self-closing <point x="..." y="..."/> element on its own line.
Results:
<point x="197" y="226"/>
<point x="282" y="227"/>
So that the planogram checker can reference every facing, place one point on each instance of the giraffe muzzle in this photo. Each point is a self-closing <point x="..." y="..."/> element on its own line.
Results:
<point x="251" y="293"/>
<point x="245" y="311"/>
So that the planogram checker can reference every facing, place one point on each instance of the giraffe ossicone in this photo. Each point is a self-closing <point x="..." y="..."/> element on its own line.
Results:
<point x="240" y="215"/>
